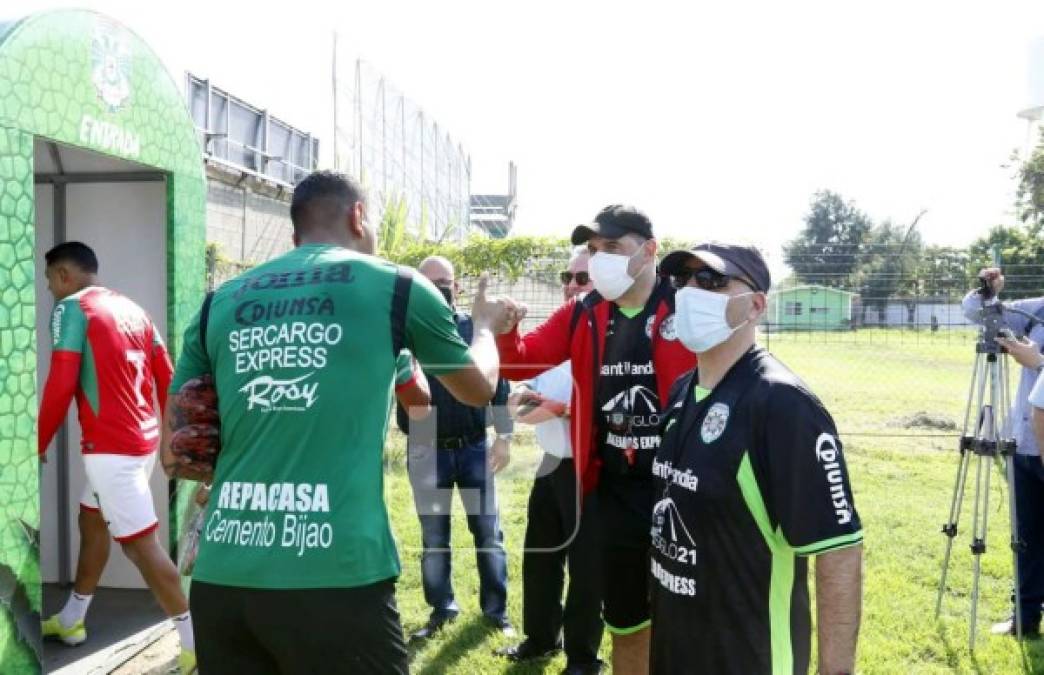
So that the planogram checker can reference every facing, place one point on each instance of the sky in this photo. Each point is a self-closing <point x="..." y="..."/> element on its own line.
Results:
<point x="720" y="120"/>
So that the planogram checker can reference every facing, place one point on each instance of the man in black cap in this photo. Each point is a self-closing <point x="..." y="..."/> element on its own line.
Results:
<point x="750" y="481"/>
<point x="625" y="355"/>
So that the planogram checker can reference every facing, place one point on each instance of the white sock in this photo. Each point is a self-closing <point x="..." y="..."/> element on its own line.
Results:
<point x="75" y="609"/>
<point x="183" y="622"/>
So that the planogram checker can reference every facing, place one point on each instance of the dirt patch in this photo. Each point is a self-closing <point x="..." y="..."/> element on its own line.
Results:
<point x="927" y="420"/>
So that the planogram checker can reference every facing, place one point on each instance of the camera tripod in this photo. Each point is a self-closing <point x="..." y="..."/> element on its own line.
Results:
<point x="982" y="438"/>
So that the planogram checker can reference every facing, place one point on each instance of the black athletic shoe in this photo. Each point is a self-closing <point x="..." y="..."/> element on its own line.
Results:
<point x="434" y="625"/>
<point x="528" y="651"/>
<point x="594" y="668"/>
<point x="1030" y="631"/>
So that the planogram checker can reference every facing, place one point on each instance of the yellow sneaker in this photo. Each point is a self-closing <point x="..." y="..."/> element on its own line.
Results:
<point x="71" y="636"/>
<point x="187" y="662"/>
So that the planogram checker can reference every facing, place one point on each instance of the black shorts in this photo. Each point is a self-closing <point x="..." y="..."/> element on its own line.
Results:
<point x="625" y="603"/>
<point x="322" y="630"/>
<point x="624" y="522"/>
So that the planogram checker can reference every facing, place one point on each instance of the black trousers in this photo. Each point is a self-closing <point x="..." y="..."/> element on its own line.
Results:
<point x="352" y="631"/>
<point x="1029" y="503"/>
<point x="553" y="538"/>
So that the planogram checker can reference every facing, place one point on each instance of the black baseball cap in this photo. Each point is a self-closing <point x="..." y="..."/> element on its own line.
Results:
<point x="613" y="222"/>
<point x="734" y="260"/>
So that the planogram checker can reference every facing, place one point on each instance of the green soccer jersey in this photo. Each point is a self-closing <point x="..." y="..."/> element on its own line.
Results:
<point x="301" y="353"/>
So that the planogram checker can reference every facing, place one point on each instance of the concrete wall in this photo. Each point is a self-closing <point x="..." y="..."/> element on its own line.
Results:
<point x="897" y="314"/>
<point x="248" y="225"/>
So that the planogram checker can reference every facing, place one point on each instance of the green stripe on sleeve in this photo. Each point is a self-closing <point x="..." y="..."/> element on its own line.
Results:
<point x="781" y="583"/>
<point x="628" y="631"/>
<point x="844" y="541"/>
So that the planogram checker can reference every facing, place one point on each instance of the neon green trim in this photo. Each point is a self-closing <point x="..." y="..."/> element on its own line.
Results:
<point x="699" y="393"/>
<point x="844" y="541"/>
<point x="630" y="313"/>
<point x="781" y="583"/>
<point x="628" y="631"/>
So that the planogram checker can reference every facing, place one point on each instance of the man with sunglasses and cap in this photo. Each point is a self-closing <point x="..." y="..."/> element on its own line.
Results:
<point x="750" y="481"/>
<point x="556" y="530"/>
<point x="625" y="355"/>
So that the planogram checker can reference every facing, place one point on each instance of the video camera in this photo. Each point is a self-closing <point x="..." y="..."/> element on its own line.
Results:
<point x="992" y="313"/>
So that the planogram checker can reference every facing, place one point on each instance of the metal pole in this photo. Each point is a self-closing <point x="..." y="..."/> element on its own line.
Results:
<point x="333" y="73"/>
<point x="950" y="529"/>
<point x="62" y="445"/>
<point x="976" y="539"/>
<point x="384" y="144"/>
<point x="358" y="115"/>
<point x="420" y="116"/>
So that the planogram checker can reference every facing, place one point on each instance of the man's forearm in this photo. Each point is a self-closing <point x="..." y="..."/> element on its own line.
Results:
<point x="485" y="357"/>
<point x="839" y="604"/>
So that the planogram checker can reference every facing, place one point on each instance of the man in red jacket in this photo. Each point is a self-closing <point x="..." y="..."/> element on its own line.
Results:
<point x="625" y="356"/>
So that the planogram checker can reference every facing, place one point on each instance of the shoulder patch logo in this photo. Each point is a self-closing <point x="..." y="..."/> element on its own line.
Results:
<point x="714" y="423"/>
<point x="667" y="330"/>
<point x="56" y="324"/>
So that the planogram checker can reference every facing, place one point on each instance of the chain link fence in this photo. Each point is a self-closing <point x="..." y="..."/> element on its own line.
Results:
<point x="894" y="365"/>
<point x="400" y="153"/>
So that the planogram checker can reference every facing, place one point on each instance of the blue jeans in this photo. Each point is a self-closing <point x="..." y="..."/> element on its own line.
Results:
<point x="433" y="474"/>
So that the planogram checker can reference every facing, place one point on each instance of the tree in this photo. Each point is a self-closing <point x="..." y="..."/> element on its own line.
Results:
<point x="829" y="247"/>
<point x="1022" y="256"/>
<point x="887" y="267"/>
<point x="1029" y="196"/>
<point x="942" y="272"/>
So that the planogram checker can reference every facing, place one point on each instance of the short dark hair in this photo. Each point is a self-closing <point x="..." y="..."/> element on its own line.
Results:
<point x="321" y="196"/>
<point x="76" y="252"/>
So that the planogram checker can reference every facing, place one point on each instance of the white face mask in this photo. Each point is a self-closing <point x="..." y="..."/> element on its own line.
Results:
<point x="609" y="274"/>
<point x="699" y="318"/>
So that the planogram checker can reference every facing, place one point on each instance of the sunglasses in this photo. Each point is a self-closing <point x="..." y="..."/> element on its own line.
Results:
<point x="582" y="278"/>
<point x="706" y="279"/>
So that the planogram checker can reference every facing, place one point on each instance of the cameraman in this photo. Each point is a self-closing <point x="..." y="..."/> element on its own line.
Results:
<point x="1029" y="474"/>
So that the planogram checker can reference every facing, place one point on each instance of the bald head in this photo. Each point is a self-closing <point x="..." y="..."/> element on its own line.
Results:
<point x="436" y="269"/>
<point x="439" y="271"/>
<point x="578" y="263"/>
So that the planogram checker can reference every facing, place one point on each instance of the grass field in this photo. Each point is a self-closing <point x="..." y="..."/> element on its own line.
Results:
<point x="902" y="487"/>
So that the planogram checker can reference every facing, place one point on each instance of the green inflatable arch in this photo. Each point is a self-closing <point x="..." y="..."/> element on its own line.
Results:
<point x="80" y="79"/>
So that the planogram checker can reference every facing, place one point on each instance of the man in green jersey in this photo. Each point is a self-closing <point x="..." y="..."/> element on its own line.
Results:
<point x="297" y="565"/>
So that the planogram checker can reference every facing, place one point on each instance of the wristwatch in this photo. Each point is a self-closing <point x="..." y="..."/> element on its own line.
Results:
<point x="505" y="437"/>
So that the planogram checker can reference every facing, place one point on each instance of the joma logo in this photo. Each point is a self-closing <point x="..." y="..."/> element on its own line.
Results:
<point x="268" y="393"/>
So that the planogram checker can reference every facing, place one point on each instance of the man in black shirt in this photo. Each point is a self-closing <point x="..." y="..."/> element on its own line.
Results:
<point x="451" y="449"/>
<point x="750" y="481"/>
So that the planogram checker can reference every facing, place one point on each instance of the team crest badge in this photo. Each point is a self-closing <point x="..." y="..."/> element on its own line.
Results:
<point x="714" y="423"/>
<point x="667" y="330"/>
<point x="110" y="66"/>
<point x="649" y="327"/>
